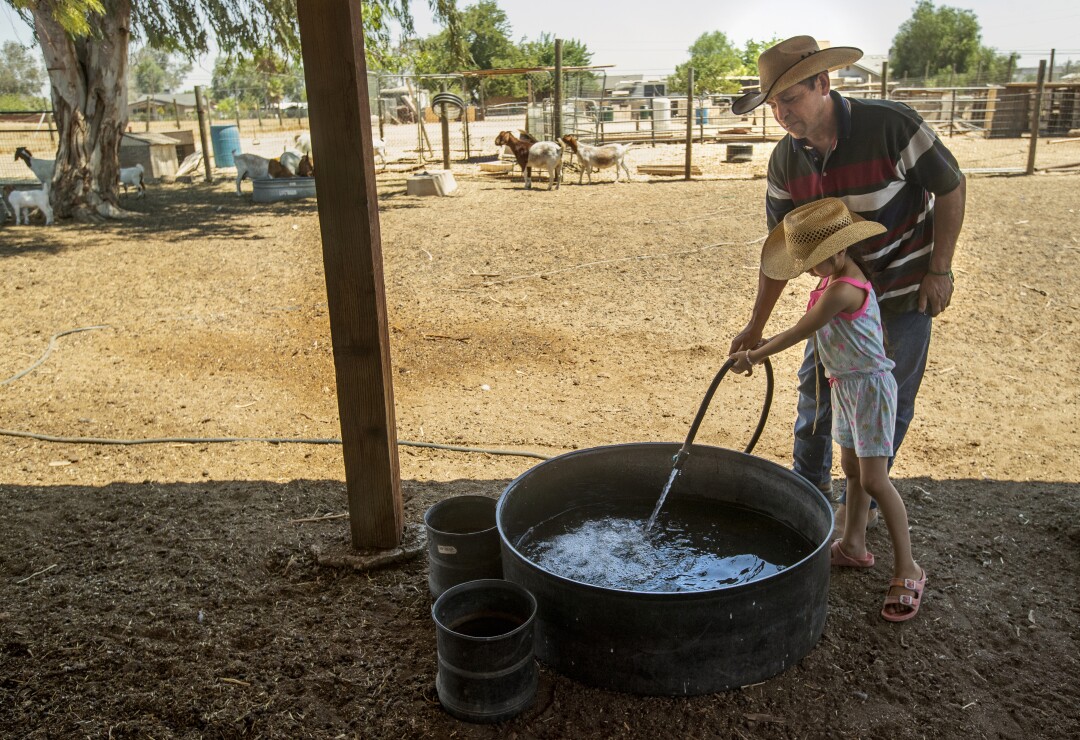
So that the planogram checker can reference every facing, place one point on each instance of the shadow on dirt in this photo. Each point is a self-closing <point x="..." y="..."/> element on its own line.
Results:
<point x="137" y="609"/>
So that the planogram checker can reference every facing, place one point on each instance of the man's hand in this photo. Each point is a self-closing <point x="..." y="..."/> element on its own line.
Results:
<point x="935" y="293"/>
<point x="748" y="338"/>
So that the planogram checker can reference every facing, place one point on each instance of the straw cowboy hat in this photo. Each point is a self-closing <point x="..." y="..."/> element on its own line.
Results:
<point x="790" y="62"/>
<point x="811" y="234"/>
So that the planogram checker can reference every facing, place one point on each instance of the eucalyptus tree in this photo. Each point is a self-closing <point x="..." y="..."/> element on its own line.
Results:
<point x="85" y="45"/>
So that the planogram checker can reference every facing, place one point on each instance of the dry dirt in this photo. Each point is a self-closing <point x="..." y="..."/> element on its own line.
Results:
<point x="167" y="590"/>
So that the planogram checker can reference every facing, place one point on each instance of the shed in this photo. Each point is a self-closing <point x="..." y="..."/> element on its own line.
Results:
<point x="155" y="152"/>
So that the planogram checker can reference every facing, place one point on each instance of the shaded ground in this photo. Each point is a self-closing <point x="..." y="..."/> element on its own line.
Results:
<point x="167" y="590"/>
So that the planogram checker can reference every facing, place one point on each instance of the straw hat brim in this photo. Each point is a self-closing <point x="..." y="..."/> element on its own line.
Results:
<point x="826" y="60"/>
<point x="779" y="264"/>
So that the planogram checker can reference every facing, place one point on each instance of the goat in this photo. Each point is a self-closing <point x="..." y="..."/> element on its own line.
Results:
<point x="306" y="168"/>
<point x="302" y="143"/>
<point x="257" y="168"/>
<point x="544" y="155"/>
<point x="24" y="201"/>
<point x="598" y="157"/>
<point x="133" y="176"/>
<point x="290" y="160"/>
<point x="42" y="168"/>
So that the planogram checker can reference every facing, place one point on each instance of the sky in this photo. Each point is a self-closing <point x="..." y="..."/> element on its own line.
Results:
<point x="638" y="36"/>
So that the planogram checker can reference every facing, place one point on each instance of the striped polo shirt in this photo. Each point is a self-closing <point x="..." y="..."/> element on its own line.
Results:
<point x="886" y="166"/>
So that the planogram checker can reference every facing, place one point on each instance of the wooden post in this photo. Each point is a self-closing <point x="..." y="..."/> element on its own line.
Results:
<point x="528" y="102"/>
<point x="176" y="112"/>
<point x="444" y="129"/>
<point x="689" y="121"/>
<point x="1036" y="108"/>
<point x="147" y="112"/>
<point x="1050" y="71"/>
<point x="1009" y="71"/>
<point x="332" y="43"/>
<point x="200" y="105"/>
<point x="952" y="114"/>
<point x="557" y="124"/>
<point x="884" y="80"/>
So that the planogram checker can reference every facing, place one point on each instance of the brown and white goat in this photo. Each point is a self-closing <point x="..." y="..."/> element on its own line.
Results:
<point x="598" y="157"/>
<point x="258" y="168"/>
<point x="544" y="155"/>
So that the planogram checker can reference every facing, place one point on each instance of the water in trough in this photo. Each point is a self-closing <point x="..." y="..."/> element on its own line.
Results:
<point x="695" y="545"/>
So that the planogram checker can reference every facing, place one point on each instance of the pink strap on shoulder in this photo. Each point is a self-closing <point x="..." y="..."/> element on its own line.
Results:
<point x="866" y="286"/>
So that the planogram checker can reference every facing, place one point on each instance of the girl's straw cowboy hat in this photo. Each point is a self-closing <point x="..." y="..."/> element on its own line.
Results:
<point x="811" y="234"/>
<point x="790" y="62"/>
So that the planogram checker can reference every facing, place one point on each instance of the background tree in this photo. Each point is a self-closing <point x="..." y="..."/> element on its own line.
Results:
<point x="85" y="46"/>
<point x="155" y="71"/>
<point x="943" y="44"/>
<point x="718" y="63"/>
<point x="261" y="81"/>
<point x="22" y="78"/>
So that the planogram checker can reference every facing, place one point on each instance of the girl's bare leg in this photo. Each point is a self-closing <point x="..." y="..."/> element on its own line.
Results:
<point x="858" y="506"/>
<point x="874" y="477"/>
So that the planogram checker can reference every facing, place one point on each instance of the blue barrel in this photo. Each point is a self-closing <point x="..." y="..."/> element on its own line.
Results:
<point x="702" y="116"/>
<point x="225" y="140"/>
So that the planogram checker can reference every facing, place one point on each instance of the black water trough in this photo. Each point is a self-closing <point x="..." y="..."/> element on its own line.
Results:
<point x="670" y="643"/>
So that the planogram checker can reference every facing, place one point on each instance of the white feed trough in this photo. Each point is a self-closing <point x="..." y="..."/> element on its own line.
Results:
<point x="431" y="182"/>
<point x="286" y="188"/>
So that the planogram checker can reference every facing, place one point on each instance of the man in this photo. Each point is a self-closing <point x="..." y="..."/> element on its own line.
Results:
<point x="888" y="166"/>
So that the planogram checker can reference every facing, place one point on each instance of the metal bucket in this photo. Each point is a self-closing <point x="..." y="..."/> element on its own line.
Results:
<point x="462" y="542"/>
<point x="284" y="188"/>
<point x="484" y="631"/>
<point x="670" y="643"/>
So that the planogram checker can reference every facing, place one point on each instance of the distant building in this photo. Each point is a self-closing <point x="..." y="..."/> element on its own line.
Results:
<point x="163" y="101"/>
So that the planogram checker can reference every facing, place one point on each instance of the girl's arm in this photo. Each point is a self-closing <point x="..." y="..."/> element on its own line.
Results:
<point x="837" y="298"/>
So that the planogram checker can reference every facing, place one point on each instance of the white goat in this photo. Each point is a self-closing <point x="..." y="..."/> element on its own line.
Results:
<point x="25" y="201"/>
<point x="257" y="168"/>
<point x="133" y="176"/>
<point x="290" y="160"/>
<point x="598" y="157"/>
<point x="42" y="168"/>
<point x="545" y="155"/>
<point x="302" y="143"/>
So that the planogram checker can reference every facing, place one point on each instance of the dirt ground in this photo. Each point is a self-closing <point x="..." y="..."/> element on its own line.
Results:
<point x="170" y="590"/>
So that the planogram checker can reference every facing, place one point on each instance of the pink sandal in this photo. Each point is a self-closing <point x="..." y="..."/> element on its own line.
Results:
<point x="911" y="601"/>
<point x="841" y="559"/>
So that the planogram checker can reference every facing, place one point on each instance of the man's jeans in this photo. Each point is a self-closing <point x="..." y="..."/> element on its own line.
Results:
<point x="907" y="339"/>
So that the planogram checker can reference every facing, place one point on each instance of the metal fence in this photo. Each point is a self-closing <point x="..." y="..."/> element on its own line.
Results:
<point x="407" y="117"/>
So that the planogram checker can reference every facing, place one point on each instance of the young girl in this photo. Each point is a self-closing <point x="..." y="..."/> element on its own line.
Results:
<point x="843" y="319"/>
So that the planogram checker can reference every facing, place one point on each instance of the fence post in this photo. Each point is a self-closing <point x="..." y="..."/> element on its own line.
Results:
<point x="1050" y="70"/>
<point x="884" y="80"/>
<point x="147" y="112"/>
<point x="200" y="106"/>
<point x="444" y="129"/>
<point x="176" y="112"/>
<point x="1036" y="109"/>
<point x="952" y="114"/>
<point x="689" y="120"/>
<point x="557" y="123"/>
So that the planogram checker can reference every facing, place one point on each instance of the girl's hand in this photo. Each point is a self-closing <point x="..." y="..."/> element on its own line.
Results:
<point x="740" y="364"/>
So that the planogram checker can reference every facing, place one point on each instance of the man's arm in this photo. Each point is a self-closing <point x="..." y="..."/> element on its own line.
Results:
<point x="937" y="289"/>
<point x="768" y="293"/>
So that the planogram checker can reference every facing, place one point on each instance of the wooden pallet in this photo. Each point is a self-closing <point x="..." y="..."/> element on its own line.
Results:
<point x="668" y="170"/>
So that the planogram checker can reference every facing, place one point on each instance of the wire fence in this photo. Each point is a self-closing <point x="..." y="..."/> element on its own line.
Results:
<point x="415" y="114"/>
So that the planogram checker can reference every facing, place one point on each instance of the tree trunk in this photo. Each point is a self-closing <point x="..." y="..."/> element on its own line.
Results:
<point x="89" y="97"/>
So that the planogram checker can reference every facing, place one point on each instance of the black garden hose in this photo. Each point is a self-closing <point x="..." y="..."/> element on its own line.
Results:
<point x="685" y="449"/>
